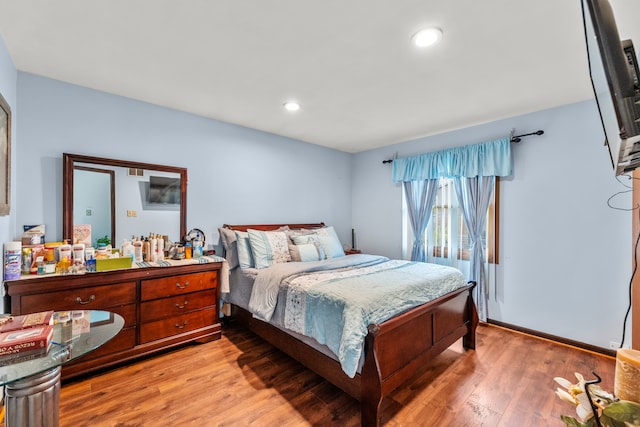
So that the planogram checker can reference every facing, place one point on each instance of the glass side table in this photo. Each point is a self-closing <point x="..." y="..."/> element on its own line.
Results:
<point x="32" y="387"/>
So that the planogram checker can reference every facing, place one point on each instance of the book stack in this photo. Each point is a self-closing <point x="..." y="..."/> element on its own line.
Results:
<point x="25" y="337"/>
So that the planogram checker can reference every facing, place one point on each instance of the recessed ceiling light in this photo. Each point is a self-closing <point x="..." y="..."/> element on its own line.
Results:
<point x="427" y="37"/>
<point x="291" y="106"/>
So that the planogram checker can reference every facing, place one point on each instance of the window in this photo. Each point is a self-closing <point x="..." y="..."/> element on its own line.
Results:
<point x="447" y="232"/>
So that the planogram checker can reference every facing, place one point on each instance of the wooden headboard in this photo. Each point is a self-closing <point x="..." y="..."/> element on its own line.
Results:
<point x="267" y="227"/>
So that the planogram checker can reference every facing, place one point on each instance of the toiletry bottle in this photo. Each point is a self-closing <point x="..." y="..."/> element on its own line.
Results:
<point x="153" y="248"/>
<point x="197" y="248"/>
<point x="160" y="243"/>
<point x="78" y="253"/>
<point x="137" y="251"/>
<point x="145" y="250"/>
<point x="64" y="251"/>
<point x="63" y="266"/>
<point x="27" y="260"/>
<point x="128" y="250"/>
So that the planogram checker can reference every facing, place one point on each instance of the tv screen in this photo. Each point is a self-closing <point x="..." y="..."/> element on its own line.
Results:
<point x="613" y="67"/>
<point x="164" y="190"/>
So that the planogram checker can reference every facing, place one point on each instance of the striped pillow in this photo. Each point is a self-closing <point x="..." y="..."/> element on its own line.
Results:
<point x="268" y="247"/>
<point x="245" y="256"/>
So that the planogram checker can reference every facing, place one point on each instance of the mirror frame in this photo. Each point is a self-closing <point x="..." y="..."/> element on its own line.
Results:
<point x="69" y="164"/>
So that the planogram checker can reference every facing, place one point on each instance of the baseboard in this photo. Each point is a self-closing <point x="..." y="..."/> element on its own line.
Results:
<point x="560" y="340"/>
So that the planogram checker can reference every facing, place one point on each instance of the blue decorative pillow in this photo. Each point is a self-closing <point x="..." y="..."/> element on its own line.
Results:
<point x="245" y="256"/>
<point x="268" y="247"/>
<point x="330" y="242"/>
<point x="306" y="252"/>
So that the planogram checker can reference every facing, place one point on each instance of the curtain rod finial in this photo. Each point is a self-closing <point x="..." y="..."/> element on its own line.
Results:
<point x="395" y="156"/>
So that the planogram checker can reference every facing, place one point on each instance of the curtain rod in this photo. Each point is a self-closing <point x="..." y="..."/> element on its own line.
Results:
<point x="513" y="138"/>
<point x="518" y="138"/>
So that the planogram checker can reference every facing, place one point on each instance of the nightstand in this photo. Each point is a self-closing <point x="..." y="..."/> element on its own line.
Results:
<point x="352" y="251"/>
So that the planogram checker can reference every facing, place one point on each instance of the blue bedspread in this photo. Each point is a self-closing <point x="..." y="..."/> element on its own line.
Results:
<point x="334" y="301"/>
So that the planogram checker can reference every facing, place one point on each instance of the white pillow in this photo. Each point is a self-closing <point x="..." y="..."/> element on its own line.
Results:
<point x="268" y="247"/>
<point x="310" y="239"/>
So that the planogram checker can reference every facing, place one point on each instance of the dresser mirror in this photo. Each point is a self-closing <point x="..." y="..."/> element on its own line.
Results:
<point x="120" y="199"/>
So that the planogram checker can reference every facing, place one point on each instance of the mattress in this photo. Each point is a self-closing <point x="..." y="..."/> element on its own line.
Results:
<point x="328" y="304"/>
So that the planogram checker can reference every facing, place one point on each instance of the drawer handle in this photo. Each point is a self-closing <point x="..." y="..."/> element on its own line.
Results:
<point x="91" y="298"/>
<point x="179" y="286"/>
<point x="181" y="326"/>
<point x="183" y="305"/>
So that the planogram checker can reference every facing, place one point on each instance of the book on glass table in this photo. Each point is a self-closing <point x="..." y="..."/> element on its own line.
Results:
<point x="15" y="323"/>
<point x="10" y="359"/>
<point x="34" y="339"/>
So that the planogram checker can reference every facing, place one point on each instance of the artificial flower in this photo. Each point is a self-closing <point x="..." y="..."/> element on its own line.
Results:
<point x="609" y="411"/>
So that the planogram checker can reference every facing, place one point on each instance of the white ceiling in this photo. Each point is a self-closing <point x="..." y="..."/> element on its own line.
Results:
<point x="350" y="63"/>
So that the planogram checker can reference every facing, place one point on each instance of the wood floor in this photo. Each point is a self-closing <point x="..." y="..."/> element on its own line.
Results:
<point x="242" y="381"/>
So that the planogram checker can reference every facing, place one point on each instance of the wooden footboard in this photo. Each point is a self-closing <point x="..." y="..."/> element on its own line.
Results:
<point x="394" y="350"/>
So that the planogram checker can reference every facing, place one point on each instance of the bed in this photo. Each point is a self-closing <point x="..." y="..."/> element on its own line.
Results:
<point x="392" y="350"/>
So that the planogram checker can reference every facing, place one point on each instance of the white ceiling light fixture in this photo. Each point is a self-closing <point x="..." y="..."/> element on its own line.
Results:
<point x="291" y="106"/>
<point x="427" y="37"/>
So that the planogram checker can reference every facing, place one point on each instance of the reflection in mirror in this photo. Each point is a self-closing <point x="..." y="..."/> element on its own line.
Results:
<point x="134" y="210"/>
<point x="90" y="204"/>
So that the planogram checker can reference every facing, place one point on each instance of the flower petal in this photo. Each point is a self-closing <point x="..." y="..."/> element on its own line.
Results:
<point x="584" y="412"/>
<point x="564" y="383"/>
<point x="563" y="395"/>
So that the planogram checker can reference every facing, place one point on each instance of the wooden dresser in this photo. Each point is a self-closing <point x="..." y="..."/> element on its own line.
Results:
<point x="162" y="307"/>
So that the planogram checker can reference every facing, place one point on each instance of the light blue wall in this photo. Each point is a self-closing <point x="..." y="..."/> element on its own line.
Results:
<point x="8" y="87"/>
<point x="236" y="175"/>
<point x="565" y="257"/>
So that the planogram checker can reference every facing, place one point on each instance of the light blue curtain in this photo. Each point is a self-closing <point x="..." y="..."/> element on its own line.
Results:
<point x="420" y="196"/>
<point x="474" y="196"/>
<point x="492" y="158"/>
<point x="477" y="166"/>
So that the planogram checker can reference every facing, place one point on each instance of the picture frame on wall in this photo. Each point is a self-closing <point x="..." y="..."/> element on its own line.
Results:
<point x="5" y="157"/>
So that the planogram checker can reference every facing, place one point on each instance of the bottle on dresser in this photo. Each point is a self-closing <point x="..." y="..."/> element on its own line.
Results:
<point x="153" y="248"/>
<point x="160" y="246"/>
<point x="145" y="250"/>
<point x="127" y="249"/>
<point x="137" y="250"/>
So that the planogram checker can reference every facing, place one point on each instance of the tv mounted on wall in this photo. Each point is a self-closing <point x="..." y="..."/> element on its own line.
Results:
<point x="613" y="67"/>
<point x="164" y="190"/>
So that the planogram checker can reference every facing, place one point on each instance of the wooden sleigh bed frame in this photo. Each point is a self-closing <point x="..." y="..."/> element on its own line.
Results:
<point x="394" y="350"/>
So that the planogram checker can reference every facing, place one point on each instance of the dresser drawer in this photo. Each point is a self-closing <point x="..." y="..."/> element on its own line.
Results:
<point x="176" y="325"/>
<point x="91" y="298"/>
<point x="124" y="340"/>
<point x="176" y="285"/>
<point x="128" y="313"/>
<point x="180" y="304"/>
